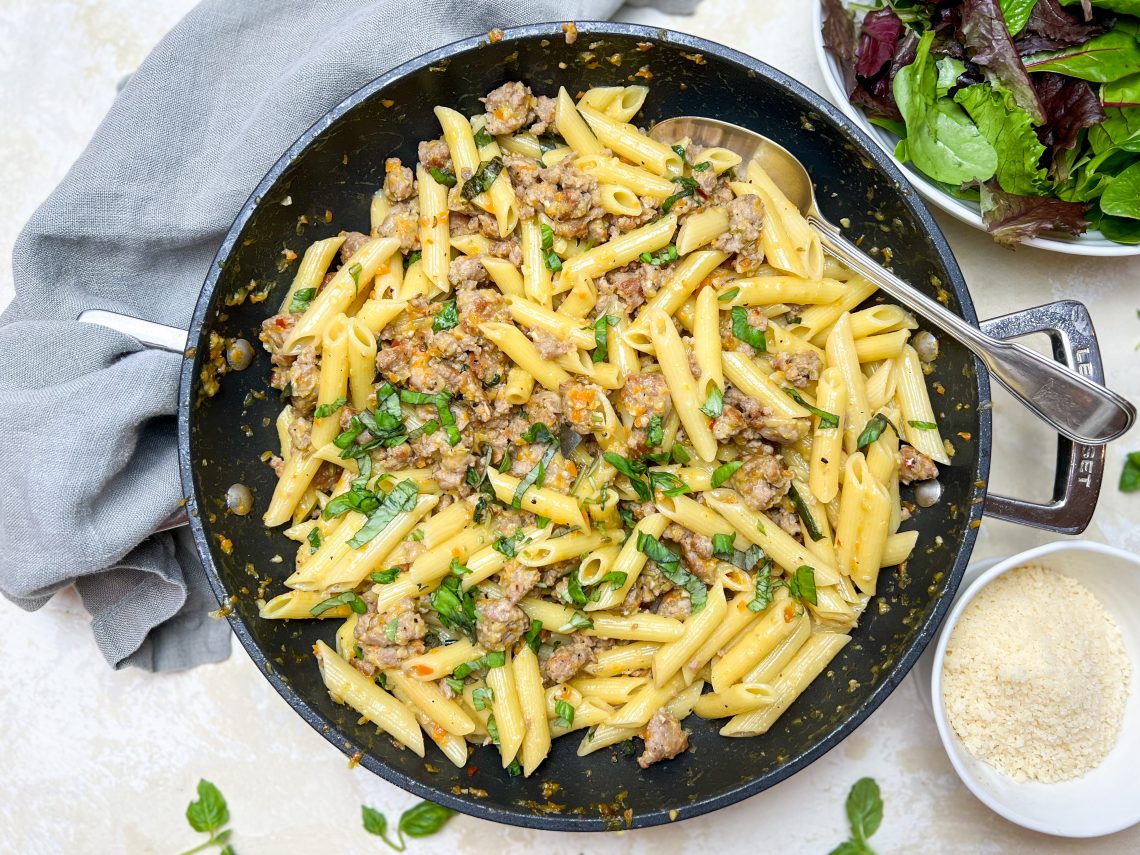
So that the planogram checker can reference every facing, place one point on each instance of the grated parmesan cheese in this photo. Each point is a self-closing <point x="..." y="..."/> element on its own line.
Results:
<point x="1036" y="677"/>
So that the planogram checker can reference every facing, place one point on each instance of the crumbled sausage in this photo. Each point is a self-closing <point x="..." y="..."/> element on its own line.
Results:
<point x="915" y="466"/>
<point x="499" y="623"/>
<point x="568" y="660"/>
<point x="353" y="241"/>
<point x="762" y="480"/>
<point x="399" y="183"/>
<point x="545" y="407"/>
<point x="300" y="433"/>
<point x="749" y="422"/>
<point x="664" y="739"/>
<point x="304" y="377"/>
<point x="745" y="220"/>
<point x="675" y="604"/>
<point x="434" y="154"/>
<point x="580" y="404"/>
<point x="633" y="284"/>
<point x="565" y="194"/>
<point x="516" y="580"/>
<point x="696" y="552"/>
<point x="544" y="108"/>
<point x="644" y="396"/>
<point x="390" y="637"/>
<point x="799" y="368"/>
<point x="402" y="223"/>
<point x="466" y="272"/>
<point x="649" y="585"/>
<point x="549" y="346"/>
<point x="508" y="108"/>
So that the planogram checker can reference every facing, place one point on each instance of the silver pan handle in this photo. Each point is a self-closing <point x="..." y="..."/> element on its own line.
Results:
<point x="1080" y="467"/>
<point x="152" y="335"/>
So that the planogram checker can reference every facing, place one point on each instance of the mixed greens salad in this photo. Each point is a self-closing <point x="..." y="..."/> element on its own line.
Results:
<point x="1031" y="108"/>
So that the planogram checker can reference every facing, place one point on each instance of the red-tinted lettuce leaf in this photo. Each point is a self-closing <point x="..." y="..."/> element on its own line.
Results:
<point x="984" y="33"/>
<point x="839" y="38"/>
<point x="1050" y="27"/>
<point x="878" y="37"/>
<point x="1013" y="219"/>
<point x="1069" y="105"/>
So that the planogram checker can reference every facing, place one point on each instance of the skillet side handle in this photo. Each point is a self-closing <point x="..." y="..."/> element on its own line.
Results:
<point x="156" y="337"/>
<point x="1080" y="468"/>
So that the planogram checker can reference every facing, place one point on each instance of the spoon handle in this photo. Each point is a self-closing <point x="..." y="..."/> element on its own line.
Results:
<point x="1077" y="407"/>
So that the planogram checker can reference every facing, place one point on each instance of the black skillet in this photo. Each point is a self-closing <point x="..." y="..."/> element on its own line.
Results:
<point x="339" y="163"/>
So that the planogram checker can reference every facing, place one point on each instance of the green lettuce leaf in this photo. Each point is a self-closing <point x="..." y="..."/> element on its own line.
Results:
<point x="941" y="139"/>
<point x="1016" y="13"/>
<point x="1106" y="58"/>
<point x="1009" y="129"/>
<point x="1121" y="198"/>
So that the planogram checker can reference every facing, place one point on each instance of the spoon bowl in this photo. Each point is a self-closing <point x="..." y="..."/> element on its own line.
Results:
<point x="1077" y="407"/>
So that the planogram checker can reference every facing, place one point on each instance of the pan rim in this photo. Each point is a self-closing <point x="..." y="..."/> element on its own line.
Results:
<point x="520" y="816"/>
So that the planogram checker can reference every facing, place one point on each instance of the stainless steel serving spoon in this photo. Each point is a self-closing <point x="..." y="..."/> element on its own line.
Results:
<point x="1077" y="407"/>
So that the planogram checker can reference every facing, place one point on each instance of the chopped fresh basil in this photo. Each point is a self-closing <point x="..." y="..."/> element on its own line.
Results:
<point x="314" y="540"/>
<point x="713" y="406"/>
<point x="744" y="331"/>
<point x="626" y="517"/>
<point x="669" y="562"/>
<point x="455" y="607"/>
<point x="922" y="425"/>
<point x="728" y="295"/>
<point x="874" y="429"/>
<point x="495" y="659"/>
<point x="702" y="166"/>
<point x="565" y="713"/>
<point x="723" y="546"/>
<point x="482" y="698"/>
<point x="577" y="621"/>
<point x="633" y="470"/>
<point x="725" y="471"/>
<point x="505" y="463"/>
<point x="542" y="522"/>
<point x="455" y="683"/>
<point x="616" y="578"/>
<point x="358" y="498"/>
<point x="441" y="176"/>
<point x="601" y="346"/>
<point x="826" y="420"/>
<point x="663" y="256"/>
<point x="446" y="318"/>
<point x="411" y="258"/>
<point x="391" y="629"/>
<point x="531" y="638"/>
<point x="384" y="577"/>
<point x="401" y="499"/>
<point x="506" y="545"/>
<point x="549" y="256"/>
<point x="535" y="477"/>
<point x="348" y="598"/>
<point x="679" y="454"/>
<point x="805" y="513"/>
<point x="688" y="188"/>
<point x="493" y="730"/>
<point x="577" y="597"/>
<point x="655" y="433"/>
<point x="514" y="769"/>
<point x="483" y="178"/>
<point x="538" y="432"/>
<point x="357" y="652"/>
<point x="482" y="138"/>
<point x="550" y="141"/>
<point x="354" y="271"/>
<point x="326" y="410"/>
<point x="802" y="584"/>
<point x="668" y="484"/>
<point x="457" y="568"/>
<point x="765" y="588"/>
<point x="301" y="299"/>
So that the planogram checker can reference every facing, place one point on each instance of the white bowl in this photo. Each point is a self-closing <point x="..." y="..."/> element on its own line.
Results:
<point x="1090" y="243"/>
<point x="1104" y="800"/>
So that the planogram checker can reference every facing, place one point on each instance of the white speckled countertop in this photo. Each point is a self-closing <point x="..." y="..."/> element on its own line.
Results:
<point x="104" y="762"/>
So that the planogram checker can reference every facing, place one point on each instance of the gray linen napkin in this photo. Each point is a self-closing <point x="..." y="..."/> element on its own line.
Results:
<point x="88" y="465"/>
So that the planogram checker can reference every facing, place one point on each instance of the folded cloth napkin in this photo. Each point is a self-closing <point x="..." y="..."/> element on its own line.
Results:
<point x="133" y="228"/>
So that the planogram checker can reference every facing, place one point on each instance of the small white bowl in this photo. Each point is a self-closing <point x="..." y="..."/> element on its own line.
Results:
<point x="1104" y="800"/>
<point x="1090" y="243"/>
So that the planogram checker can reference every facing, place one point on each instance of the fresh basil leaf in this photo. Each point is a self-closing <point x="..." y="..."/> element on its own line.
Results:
<point x="535" y="477"/>
<point x="348" y="598"/>
<point x="483" y="178"/>
<point x="663" y="256"/>
<point x="1130" y="474"/>
<point x="725" y="471"/>
<point x="326" y="410"/>
<point x="827" y="420"/>
<point x="723" y="546"/>
<point x="538" y="432"/>
<point x="601" y="347"/>
<point x="411" y="258"/>
<point x="495" y="659"/>
<point x="765" y="589"/>
<point x="669" y="562"/>
<point x="805" y="514"/>
<point x="873" y="430"/>
<point x="668" y="484"/>
<point x="864" y="808"/>
<point x="401" y="499"/>
<point x="458" y="569"/>
<point x="455" y="607"/>
<point x="493" y="730"/>
<point x="633" y="470"/>
<point x="616" y="578"/>
<point x="531" y="638"/>
<point x="374" y="821"/>
<point x="481" y="698"/>
<point x="744" y="331"/>
<point x="446" y="318"/>
<point x="574" y="590"/>
<point x="424" y="819"/>
<point x="577" y="621"/>
<point x="392" y="627"/>
<point x="209" y="812"/>
<point x="385" y="577"/>
<point x="314" y="540"/>
<point x="506" y="545"/>
<point x="552" y="261"/>
<point x="679" y="454"/>
<point x="301" y="299"/>
<point x="728" y="296"/>
<point x="655" y="433"/>
<point x="455" y="684"/>
<point x="802" y="584"/>
<point x="482" y="138"/>
<point x="441" y="176"/>
<point x="565" y="713"/>
<point x="547" y="237"/>
<point x="713" y="406"/>
<point x="922" y="425"/>
<point x="354" y="271"/>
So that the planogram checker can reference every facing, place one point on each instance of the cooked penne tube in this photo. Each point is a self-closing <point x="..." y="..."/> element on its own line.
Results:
<point x="524" y="354"/>
<point x="670" y="657"/>
<point x="535" y="316"/>
<point x="532" y="704"/>
<point x="618" y="252"/>
<point x="827" y="440"/>
<point x="861" y="533"/>
<point x="873" y="348"/>
<point x="841" y="354"/>
<point x="706" y="344"/>
<point x="611" y="170"/>
<point x="741" y="698"/>
<point x="293" y="605"/>
<point x="314" y="263"/>
<point x="769" y="290"/>
<point x="428" y="698"/>
<point x="701" y="228"/>
<point x="624" y="140"/>
<point x="538" y="500"/>
<point x="441" y="661"/>
<point x="624" y="658"/>
<point x="507" y="710"/>
<point x="684" y="280"/>
<point x="919" y="424"/>
<point x="682" y="387"/>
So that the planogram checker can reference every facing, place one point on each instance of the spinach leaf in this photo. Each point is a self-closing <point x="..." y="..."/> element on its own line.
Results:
<point x="1106" y="58"/>
<point x="1122" y="196"/>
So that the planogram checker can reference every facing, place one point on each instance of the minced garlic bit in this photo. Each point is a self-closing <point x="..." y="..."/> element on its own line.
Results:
<point x="571" y="31"/>
<point x="1036" y="677"/>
